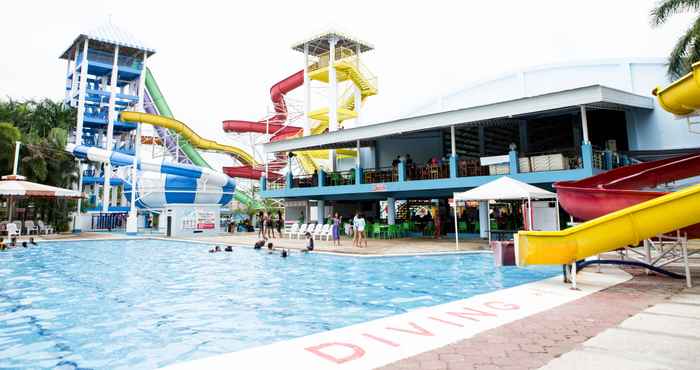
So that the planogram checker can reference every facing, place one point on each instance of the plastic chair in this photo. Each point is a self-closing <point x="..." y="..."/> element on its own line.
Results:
<point x="19" y="226"/>
<point x="12" y="230"/>
<point x="462" y="226"/>
<point x="302" y="230"/>
<point x="311" y="228"/>
<point x="293" y="230"/>
<point x="328" y="232"/>
<point x="30" y="227"/>
<point x="393" y="232"/>
<point x="320" y="230"/>
<point x="376" y="231"/>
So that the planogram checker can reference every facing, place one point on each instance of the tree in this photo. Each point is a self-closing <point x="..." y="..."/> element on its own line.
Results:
<point x="687" y="48"/>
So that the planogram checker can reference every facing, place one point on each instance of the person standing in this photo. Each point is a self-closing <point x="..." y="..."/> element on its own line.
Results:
<point x="280" y="222"/>
<point x="261" y="225"/>
<point x="360" y="230"/>
<point x="437" y="219"/>
<point x="336" y="229"/>
<point x="355" y="234"/>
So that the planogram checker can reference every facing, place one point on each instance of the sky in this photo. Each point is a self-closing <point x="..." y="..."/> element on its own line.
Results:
<point x="217" y="60"/>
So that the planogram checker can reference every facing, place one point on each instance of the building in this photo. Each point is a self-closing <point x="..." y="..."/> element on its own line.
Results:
<point x="541" y="125"/>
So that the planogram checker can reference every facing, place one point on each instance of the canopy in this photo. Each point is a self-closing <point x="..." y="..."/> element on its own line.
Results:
<point x="505" y="188"/>
<point x="17" y="186"/>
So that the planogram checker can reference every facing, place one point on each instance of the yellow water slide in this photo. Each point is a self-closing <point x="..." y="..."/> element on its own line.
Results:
<point x="630" y="225"/>
<point x="187" y="133"/>
<point x="615" y="230"/>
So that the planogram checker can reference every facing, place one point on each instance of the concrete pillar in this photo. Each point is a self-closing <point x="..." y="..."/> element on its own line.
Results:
<point x="332" y="98"/>
<point x="321" y="180"/>
<point x="263" y="183"/>
<point x="484" y="223"/>
<point x="453" y="141"/>
<point x="307" y="93"/>
<point x="132" y="220"/>
<point x="482" y="141"/>
<point x="402" y="171"/>
<point x="81" y="95"/>
<point x="288" y="180"/>
<point x="522" y="133"/>
<point x="391" y="210"/>
<point x="513" y="161"/>
<point x="111" y="118"/>
<point x="453" y="167"/>
<point x="587" y="157"/>
<point x="321" y="211"/>
<point x="584" y="125"/>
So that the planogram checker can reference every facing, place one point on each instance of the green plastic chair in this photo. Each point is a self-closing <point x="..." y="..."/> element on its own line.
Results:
<point x="394" y="232"/>
<point x="376" y="231"/>
<point x="405" y="228"/>
<point x="462" y="226"/>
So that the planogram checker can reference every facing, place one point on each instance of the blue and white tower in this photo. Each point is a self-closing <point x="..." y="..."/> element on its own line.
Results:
<point x="105" y="73"/>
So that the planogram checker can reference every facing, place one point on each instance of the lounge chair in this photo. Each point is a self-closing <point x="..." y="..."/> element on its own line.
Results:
<point x="320" y="230"/>
<point x="43" y="228"/>
<point x="328" y="233"/>
<point x="311" y="229"/>
<point x="29" y="227"/>
<point x="302" y="230"/>
<point x="12" y="230"/>
<point x="19" y="226"/>
<point x="293" y="230"/>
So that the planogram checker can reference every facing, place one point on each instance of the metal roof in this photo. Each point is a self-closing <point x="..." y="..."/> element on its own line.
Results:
<point x="318" y="44"/>
<point x="110" y="34"/>
<point x="595" y="96"/>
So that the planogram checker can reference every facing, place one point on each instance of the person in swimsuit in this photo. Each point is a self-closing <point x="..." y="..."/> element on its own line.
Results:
<point x="336" y="229"/>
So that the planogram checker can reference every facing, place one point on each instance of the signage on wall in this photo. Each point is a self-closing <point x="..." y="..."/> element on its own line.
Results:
<point x="379" y="187"/>
<point x="199" y="220"/>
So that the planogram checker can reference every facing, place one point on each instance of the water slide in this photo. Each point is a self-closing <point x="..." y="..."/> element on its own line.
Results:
<point x="617" y="191"/>
<point x="164" y="183"/>
<point x="186" y="149"/>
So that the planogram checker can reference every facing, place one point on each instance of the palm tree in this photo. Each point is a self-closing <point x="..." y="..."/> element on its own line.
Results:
<point x="687" y="48"/>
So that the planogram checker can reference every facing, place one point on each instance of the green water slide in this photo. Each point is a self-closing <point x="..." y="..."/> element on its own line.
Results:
<point x="191" y="152"/>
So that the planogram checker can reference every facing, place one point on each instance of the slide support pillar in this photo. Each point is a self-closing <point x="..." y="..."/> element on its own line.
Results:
<point x="111" y="118"/>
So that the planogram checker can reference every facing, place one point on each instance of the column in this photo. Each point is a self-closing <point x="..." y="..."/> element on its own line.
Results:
<point x="132" y="220"/>
<point x="81" y="95"/>
<point x="73" y="72"/>
<point x="321" y="211"/>
<point x="453" y="154"/>
<point x="513" y="161"/>
<point x="111" y="118"/>
<point x="76" y="222"/>
<point x="484" y="223"/>
<point x="307" y="93"/>
<point x="522" y="133"/>
<point x="584" y="125"/>
<point x="332" y="98"/>
<point x="358" y="164"/>
<point x="391" y="210"/>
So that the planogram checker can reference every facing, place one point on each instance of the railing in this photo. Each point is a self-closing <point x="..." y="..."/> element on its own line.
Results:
<point x="91" y="173"/>
<point x="278" y="184"/>
<point x="471" y="167"/>
<point x="428" y="171"/>
<point x="340" y="178"/>
<point x="606" y="159"/>
<point x="108" y="221"/>
<point x="566" y="159"/>
<point x="304" y="181"/>
<point x="347" y="56"/>
<point x="379" y="175"/>
<point x="108" y="58"/>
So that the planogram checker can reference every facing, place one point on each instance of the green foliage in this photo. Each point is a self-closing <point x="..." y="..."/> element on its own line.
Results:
<point x="42" y="127"/>
<point x="687" y="48"/>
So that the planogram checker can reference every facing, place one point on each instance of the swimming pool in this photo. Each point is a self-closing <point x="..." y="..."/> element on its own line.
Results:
<point x="142" y="304"/>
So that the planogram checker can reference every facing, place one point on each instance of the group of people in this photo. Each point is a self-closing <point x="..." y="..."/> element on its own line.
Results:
<point x="267" y="224"/>
<point x="13" y="243"/>
<point x="284" y="253"/>
<point x="218" y="249"/>
<point x="407" y="160"/>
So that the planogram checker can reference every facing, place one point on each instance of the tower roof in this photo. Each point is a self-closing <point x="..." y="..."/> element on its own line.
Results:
<point x="108" y="35"/>
<point x="318" y="44"/>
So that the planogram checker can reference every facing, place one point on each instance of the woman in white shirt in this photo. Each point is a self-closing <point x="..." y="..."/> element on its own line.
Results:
<point x="359" y="223"/>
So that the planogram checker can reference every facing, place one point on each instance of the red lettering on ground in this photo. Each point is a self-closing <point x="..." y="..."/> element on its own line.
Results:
<point x="498" y="305"/>
<point x="357" y="352"/>
<point x="471" y="312"/>
<point x="445" y="321"/>
<point x="381" y="340"/>
<point x="419" y="330"/>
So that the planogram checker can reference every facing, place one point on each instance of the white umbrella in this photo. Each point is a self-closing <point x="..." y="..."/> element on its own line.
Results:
<point x="15" y="186"/>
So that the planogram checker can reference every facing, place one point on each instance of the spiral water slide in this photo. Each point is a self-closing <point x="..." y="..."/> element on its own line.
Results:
<point x="624" y="205"/>
<point x="156" y="106"/>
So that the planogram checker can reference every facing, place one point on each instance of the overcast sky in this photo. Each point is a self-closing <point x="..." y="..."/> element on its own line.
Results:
<point x="216" y="60"/>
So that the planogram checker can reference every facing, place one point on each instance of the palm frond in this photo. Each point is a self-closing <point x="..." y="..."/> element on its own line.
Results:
<point x="668" y="8"/>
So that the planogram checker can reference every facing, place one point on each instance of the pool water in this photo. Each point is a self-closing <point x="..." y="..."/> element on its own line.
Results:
<point x="142" y="304"/>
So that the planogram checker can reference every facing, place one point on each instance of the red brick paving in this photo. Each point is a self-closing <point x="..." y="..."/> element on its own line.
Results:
<point x="532" y="342"/>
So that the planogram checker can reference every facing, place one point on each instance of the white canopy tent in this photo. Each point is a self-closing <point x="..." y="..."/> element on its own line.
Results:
<point x="503" y="188"/>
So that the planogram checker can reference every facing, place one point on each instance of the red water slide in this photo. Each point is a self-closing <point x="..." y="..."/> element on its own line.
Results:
<point x="622" y="187"/>
<point x="276" y="127"/>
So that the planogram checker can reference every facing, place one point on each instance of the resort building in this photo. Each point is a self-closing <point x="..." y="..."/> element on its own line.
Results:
<point x="540" y="126"/>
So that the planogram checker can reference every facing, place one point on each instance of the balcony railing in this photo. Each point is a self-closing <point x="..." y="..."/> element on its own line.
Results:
<point x="471" y="167"/>
<point x="565" y="159"/>
<point x="108" y="58"/>
<point x="379" y="175"/>
<point x="428" y="171"/>
<point x="278" y="184"/>
<point x="304" y="181"/>
<point x="340" y="178"/>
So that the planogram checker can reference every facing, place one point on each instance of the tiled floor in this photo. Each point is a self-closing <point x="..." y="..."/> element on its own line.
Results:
<point x="533" y="342"/>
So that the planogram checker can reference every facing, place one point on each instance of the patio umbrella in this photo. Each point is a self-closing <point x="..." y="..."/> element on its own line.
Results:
<point x="15" y="186"/>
